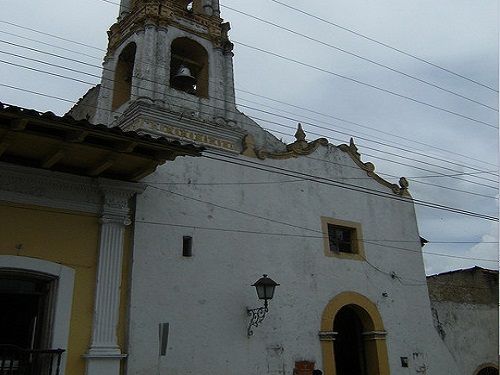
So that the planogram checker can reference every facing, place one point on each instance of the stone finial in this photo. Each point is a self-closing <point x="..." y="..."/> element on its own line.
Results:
<point x="354" y="148"/>
<point x="299" y="134"/>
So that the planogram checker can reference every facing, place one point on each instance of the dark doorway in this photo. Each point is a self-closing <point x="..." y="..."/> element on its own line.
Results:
<point x="488" y="371"/>
<point x="24" y="315"/>
<point x="348" y="345"/>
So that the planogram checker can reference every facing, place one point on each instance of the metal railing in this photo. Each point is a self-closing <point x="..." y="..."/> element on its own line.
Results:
<point x="18" y="361"/>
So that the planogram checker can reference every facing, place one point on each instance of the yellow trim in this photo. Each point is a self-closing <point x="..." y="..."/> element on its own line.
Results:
<point x="359" y="250"/>
<point x="375" y="350"/>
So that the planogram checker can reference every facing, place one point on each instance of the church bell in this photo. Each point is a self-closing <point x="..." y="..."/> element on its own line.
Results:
<point x="184" y="80"/>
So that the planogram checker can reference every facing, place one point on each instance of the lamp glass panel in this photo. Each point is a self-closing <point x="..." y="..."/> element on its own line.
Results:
<point x="261" y="291"/>
<point x="269" y="291"/>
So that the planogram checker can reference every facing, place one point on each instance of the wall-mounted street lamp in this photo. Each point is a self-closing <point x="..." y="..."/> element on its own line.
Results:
<point x="265" y="290"/>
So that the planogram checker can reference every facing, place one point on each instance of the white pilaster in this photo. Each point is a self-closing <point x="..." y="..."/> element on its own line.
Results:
<point x="229" y="95"/>
<point x="125" y="6"/>
<point x="104" y="354"/>
<point x="162" y="66"/>
<point x="103" y="111"/>
<point x="145" y="62"/>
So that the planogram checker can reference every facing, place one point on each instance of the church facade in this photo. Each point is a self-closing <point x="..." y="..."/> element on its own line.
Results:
<point x="341" y="242"/>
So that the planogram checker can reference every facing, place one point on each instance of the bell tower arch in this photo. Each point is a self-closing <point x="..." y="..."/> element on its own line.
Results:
<point x="174" y="55"/>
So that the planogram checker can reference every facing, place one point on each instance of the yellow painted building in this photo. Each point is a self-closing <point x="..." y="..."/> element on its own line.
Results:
<point x="65" y="235"/>
<point x="66" y="238"/>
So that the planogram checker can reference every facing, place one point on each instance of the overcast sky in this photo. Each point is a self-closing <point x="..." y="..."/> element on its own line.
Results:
<point x="423" y="141"/>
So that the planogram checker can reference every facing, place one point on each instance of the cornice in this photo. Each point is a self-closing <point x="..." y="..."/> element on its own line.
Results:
<point x="303" y="148"/>
<point x="26" y="185"/>
<point x="163" y="16"/>
<point x="159" y="122"/>
<point x="369" y="168"/>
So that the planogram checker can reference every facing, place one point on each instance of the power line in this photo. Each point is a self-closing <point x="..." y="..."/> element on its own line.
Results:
<point x="378" y="157"/>
<point x="73" y="70"/>
<point x="299" y="180"/>
<point x="50" y="64"/>
<point x="365" y="84"/>
<point x="248" y="92"/>
<point x="261" y="119"/>
<point x="364" y="126"/>
<point x="303" y="64"/>
<point x="393" y="275"/>
<point x="53" y="36"/>
<point x="243" y="231"/>
<point x="342" y="185"/>
<point x="359" y="57"/>
<point x="408" y="178"/>
<point x="284" y="235"/>
<point x="279" y="124"/>
<point x="319" y="179"/>
<point x="386" y="133"/>
<point x="365" y="139"/>
<point x="63" y="57"/>
<point x="346" y="29"/>
<point x="383" y="44"/>
<point x="246" y="213"/>
<point x="49" y="45"/>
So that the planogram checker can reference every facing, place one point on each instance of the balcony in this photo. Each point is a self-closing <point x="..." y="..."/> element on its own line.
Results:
<point x="17" y="361"/>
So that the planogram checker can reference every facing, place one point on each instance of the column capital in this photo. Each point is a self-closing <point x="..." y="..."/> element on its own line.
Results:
<point x="327" y="335"/>
<point x="374" y="335"/>
<point x="116" y="196"/>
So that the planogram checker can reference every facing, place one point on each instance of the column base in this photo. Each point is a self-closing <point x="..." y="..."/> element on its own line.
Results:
<point x="103" y="361"/>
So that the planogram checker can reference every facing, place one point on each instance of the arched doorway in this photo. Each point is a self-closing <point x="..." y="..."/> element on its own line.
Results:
<point x="487" y="369"/>
<point x="353" y="337"/>
<point x="349" y="348"/>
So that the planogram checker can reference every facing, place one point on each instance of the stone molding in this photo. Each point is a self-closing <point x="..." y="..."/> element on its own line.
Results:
<point x="58" y="190"/>
<point x="53" y="189"/>
<point x="160" y="122"/>
<point x="369" y="168"/>
<point x="209" y="27"/>
<point x="298" y="148"/>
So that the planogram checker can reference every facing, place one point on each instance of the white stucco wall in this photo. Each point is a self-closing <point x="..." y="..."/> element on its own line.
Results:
<point x="204" y="298"/>
<point x="470" y="332"/>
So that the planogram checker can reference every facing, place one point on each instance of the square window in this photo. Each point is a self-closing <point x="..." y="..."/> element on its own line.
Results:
<point x="342" y="239"/>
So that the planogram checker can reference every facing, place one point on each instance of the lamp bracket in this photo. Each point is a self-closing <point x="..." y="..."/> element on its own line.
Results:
<point x="256" y="317"/>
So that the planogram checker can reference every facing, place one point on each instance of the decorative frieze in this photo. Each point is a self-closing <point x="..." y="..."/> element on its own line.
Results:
<point x="52" y="189"/>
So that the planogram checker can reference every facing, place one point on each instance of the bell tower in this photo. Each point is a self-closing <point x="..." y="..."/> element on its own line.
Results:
<point x="170" y="56"/>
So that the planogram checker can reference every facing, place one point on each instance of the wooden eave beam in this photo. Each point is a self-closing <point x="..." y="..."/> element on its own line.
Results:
<point x="6" y="141"/>
<point x="126" y="147"/>
<point x="51" y="159"/>
<point x="76" y="136"/>
<point x="145" y="171"/>
<point x="18" y="124"/>
<point x="102" y="166"/>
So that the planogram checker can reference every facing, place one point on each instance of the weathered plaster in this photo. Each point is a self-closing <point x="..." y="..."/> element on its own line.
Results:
<point x="204" y="298"/>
